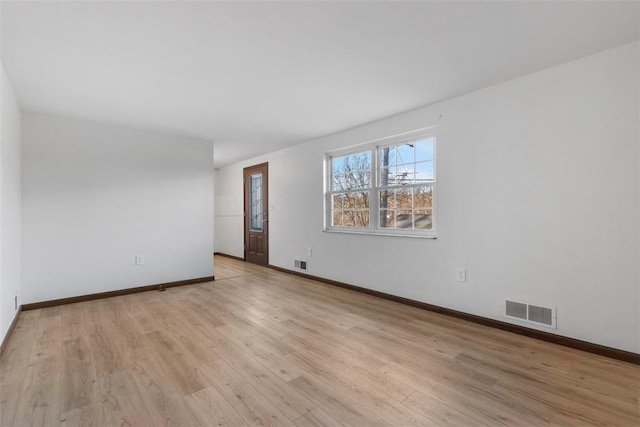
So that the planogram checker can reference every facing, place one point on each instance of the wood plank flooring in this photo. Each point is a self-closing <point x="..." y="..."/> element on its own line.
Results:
<point x="259" y="347"/>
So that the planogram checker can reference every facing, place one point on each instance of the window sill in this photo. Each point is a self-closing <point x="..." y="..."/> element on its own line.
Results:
<point x="432" y="235"/>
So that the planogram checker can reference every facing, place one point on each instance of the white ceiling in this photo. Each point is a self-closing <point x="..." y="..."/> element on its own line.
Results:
<point x="258" y="76"/>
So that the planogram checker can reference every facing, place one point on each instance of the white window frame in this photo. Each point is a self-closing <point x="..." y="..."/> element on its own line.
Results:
<point x="374" y="203"/>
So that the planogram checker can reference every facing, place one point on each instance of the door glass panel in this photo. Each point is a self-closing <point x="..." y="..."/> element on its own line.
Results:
<point x="255" y="202"/>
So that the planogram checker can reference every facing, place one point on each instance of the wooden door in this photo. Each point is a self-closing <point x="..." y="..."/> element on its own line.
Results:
<point x="256" y="214"/>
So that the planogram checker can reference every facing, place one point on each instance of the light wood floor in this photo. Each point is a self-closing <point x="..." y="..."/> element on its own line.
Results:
<point x="265" y="348"/>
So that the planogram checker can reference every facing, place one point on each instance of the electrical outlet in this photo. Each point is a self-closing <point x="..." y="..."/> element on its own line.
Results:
<point x="461" y="274"/>
<point x="309" y="252"/>
<point x="139" y="259"/>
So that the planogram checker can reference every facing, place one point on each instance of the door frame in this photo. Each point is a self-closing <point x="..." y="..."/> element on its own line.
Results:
<point x="246" y="172"/>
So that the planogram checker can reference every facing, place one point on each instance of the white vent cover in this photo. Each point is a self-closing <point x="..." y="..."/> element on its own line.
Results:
<point x="544" y="316"/>
<point x="516" y="309"/>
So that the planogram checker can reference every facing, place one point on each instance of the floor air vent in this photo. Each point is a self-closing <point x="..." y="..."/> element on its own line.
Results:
<point x="302" y="265"/>
<point x="544" y="316"/>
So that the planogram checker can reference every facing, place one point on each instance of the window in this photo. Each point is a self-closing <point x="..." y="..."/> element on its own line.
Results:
<point x="351" y="188"/>
<point x="386" y="187"/>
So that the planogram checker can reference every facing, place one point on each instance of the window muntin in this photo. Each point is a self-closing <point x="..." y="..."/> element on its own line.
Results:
<point x="400" y="198"/>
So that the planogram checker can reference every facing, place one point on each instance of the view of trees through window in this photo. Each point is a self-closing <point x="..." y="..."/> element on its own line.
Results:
<point x="400" y="184"/>
<point x="352" y="177"/>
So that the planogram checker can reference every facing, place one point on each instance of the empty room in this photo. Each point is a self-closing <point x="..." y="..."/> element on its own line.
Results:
<point x="320" y="213"/>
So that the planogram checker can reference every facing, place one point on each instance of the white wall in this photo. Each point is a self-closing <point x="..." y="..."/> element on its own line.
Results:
<point x="9" y="203"/>
<point x="96" y="195"/>
<point x="537" y="197"/>
<point x="229" y="212"/>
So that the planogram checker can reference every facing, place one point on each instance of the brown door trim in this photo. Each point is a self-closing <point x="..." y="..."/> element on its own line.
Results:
<point x="256" y="244"/>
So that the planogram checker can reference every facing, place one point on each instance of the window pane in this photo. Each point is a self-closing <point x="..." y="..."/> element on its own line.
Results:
<point x="384" y="154"/>
<point x="337" y="201"/>
<point x="404" y="218"/>
<point x="338" y="182"/>
<point x="351" y="171"/>
<point x="403" y="198"/>
<point x="423" y="197"/>
<point x="387" y="199"/>
<point x="404" y="174"/>
<point x="396" y="175"/>
<point x="424" y="172"/>
<point x="405" y="153"/>
<point x="337" y="164"/>
<point x="393" y="199"/>
<point x="423" y="219"/>
<point x="396" y="218"/>
<point x="336" y="218"/>
<point x="424" y="149"/>
<point x="352" y="180"/>
<point x="388" y="156"/>
<point x="355" y="218"/>
<point x="362" y="218"/>
<point x="387" y="219"/>
<point x="386" y="177"/>
<point x="355" y="200"/>
<point x="255" y="202"/>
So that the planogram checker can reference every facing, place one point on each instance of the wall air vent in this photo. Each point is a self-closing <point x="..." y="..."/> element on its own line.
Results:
<point x="541" y="315"/>
<point x="537" y="315"/>
<point x="516" y="309"/>
<point x="302" y="265"/>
